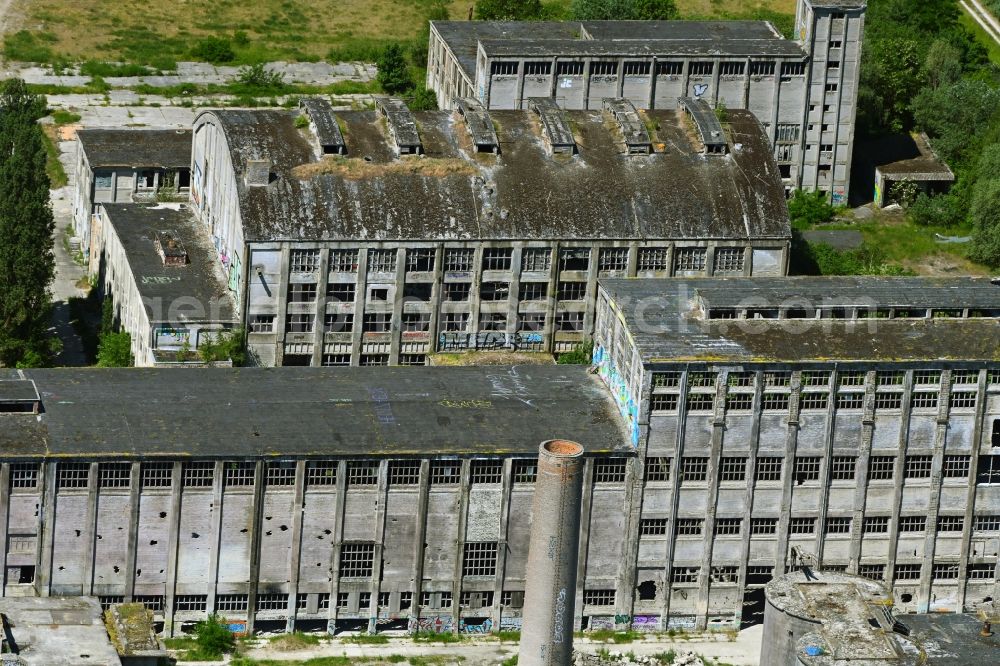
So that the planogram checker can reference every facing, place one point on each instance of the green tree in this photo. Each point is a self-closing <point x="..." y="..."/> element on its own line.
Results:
<point x="985" y="215"/>
<point x="582" y="354"/>
<point x="114" y="350"/>
<point x="225" y="346"/>
<point x="393" y="75"/>
<point x="213" y="639"/>
<point x="953" y="113"/>
<point x="508" y="10"/>
<point x="891" y="76"/>
<point x="423" y="99"/>
<point x="943" y="65"/>
<point x="809" y="208"/>
<point x="27" y="265"/>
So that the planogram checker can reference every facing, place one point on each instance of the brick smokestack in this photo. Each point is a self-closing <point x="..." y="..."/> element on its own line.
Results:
<point x="547" y="627"/>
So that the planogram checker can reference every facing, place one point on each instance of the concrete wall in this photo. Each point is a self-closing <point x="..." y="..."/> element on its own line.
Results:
<point x="955" y="561"/>
<point x="269" y="549"/>
<point x="404" y="294"/>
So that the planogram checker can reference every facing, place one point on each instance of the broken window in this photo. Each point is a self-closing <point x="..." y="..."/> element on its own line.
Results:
<point x="537" y="68"/>
<point x="503" y="68"/>
<point x="342" y="292"/>
<point x="304" y="261"/>
<point x="479" y="558"/>
<point x="494" y="291"/>
<point x="530" y="321"/>
<point x="357" y="560"/>
<point x="524" y="471"/>
<point x="333" y="360"/>
<point x="950" y="523"/>
<point x="493" y="321"/>
<point x="787" y="132"/>
<point x="454" y="322"/>
<point x="636" y="68"/>
<point x="381" y="261"/>
<point x="669" y="67"/>
<point x="377" y="322"/>
<point x="732" y="68"/>
<point x="338" y="322"/>
<point x="854" y="400"/>
<point x="569" y="321"/>
<point x="690" y="526"/>
<point x="682" y="575"/>
<point x="739" y="402"/>
<point x="701" y="68"/>
<point x="658" y="469"/>
<point x="574" y="259"/>
<point x="872" y="571"/>
<point x="566" y="68"/>
<point x="261" y="323"/>
<point x="653" y="259"/>
<point x="536" y="259"/>
<point x="725" y="574"/>
<point x="572" y="291"/>
<point x="416" y="322"/>
<point x="459" y="259"/>
<point x="420" y="260"/>
<point x="603" y="68"/>
<point x="147" y="179"/>
<point x="456" y="291"/>
<point x="762" y="68"/>
<point x="793" y="69"/>
<point x="806" y="468"/>
<point x="598" y="597"/>
<point x="612" y="260"/>
<point x="946" y="571"/>
<point x="534" y="291"/>
<point x="299" y="323"/>
<point x="103" y="180"/>
<point x="302" y="292"/>
<point x="496" y="259"/>
<point x="343" y="261"/>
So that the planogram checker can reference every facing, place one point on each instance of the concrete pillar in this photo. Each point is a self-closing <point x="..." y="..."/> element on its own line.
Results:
<point x="547" y="634"/>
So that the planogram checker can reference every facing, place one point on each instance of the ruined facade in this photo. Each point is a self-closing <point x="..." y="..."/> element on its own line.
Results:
<point x="803" y="89"/>
<point x="852" y="424"/>
<point x="379" y="237"/>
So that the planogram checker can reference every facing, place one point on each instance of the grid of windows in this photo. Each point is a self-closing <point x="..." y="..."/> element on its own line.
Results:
<point x="813" y="401"/>
<point x="420" y="260"/>
<point x="768" y="469"/>
<point x="806" y="468"/>
<point x="569" y="321"/>
<point x="459" y="260"/>
<point x="850" y="400"/>
<point x="728" y="526"/>
<point x="445" y="472"/>
<point x="404" y="472"/>
<point x="658" y="469"/>
<point x="729" y="259"/>
<point x="377" y="322"/>
<point x="838" y="525"/>
<point x="881" y="468"/>
<point x="887" y="400"/>
<point x="663" y="402"/>
<point x="924" y="400"/>
<point x="733" y="468"/>
<point x="980" y="571"/>
<point x="114" y="475"/>
<point x="725" y="574"/>
<point x="486" y="472"/>
<point x="357" y="560"/>
<point x="454" y="321"/>
<point x="988" y="523"/>
<point x="685" y="574"/>
<point x="694" y="469"/>
<point x="299" y="322"/>
<point x="665" y="379"/>
<point x="816" y="378"/>
<point x="950" y="523"/>
<point x="260" y="323"/>
<point x="963" y="400"/>
<point x="700" y="402"/>
<point x="340" y="291"/>
<point x="479" y="558"/>
<point x="609" y="471"/>
<point x="574" y="259"/>
<point x="190" y="602"/>
<point x="572" y="291"/>
<point x="239" y="473"/>
<point x="739" y="402"/>
<point x="852" y="378"/>
<point x="872" y="571"/>
<point x="653" y="259"/>
<point x="653" y="527"/>
<point x="152" y="603"/>
<point x="280" y="474"/>
<point x="534" y="291"/>
<point x="876" y="524"/>
<point x="381" y="261"/>
<point x="338" y="322"/>
<point x="945" y="571"/>
<point x="302" y="292"/>
<point x="912" y="523"/>
<point x="612" y="259"/>
<point x="198" y="474"/>
<point x="689" y="259"/>
<point x="321" y="473"/>
<point x="24" y="475"/>
<point x="536" y="259"/>
<point x="157" y="474"/>
<point x="343" y="261"/>
<point x="524" y="471"/>
<point x="842" y="468"/>
<point x="362" y="473"/>
<point x="907" y="572"/>
<point x="73" y="475"/>
<point x="304" y="261"/>
<point x="775" y="402"/>
<point x="763" y="526"/>
<point x="890" y="377"/>
<point x="964" y="377"/>
<point x="690" y="526"/>
<point x="926" y="377"/>
<point x="599" y="597"/>
<point x="277" y="602"/>
<point x="802" y="526"/>
<point x="496" y="259"/>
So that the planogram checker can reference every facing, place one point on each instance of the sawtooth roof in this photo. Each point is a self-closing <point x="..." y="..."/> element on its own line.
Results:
<point x="311" y="412"/>
<point x="165" y="149"/>
<point x="454" y="192"/>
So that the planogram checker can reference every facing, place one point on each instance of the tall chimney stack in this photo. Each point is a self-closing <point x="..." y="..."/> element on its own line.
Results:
<point x="547" y="625"/>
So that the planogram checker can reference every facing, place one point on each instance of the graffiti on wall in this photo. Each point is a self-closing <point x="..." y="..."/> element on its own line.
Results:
<point x="680" y="622"/>
<point x="646" y="623"/>
<point x="488" y="341"/>
<point x="477" y="626"/>
<point x="601" y="622"/>
<point x="510" y="623"/>
<point x="437" y="624"/>
<point x="619" y="388"/>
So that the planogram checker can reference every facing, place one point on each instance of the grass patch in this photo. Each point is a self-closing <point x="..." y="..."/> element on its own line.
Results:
<point x="509" y="636"/>
<point x="64" y="117"/>
<point x="53" y="167"/>
<point x="435" y="637"/>
<point x="367" y="639"/>
<point x="610" y="635"/>
<point x="294" y="641"/>
<point x="101" y="68"/>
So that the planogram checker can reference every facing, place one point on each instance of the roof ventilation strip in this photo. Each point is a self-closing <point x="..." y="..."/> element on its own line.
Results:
<point x="708" y="125"/>
<point x="402" y="126"/>
<point x="479" y="124"/>
<point x="555" y="125"/>
<point x="324" y="124"/>
<point x="637" y="141"/>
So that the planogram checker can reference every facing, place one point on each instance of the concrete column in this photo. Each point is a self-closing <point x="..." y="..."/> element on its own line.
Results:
<point x="213" y="566"/>
<point x="970" y="498"/>
<point x="933" y="502"/>
<point x="257" y="511"/>
<point x="173" y="539"/>
<point x="90" y="530"/>
<point x="787" y="474"/>
<point x="319" y="335"/>
<point x="397" y="307"/>
<point x="899" y="470"/>
<point x="135" y="482"/>
<point x="514" y="298"/>
<point x="296" y="555"/>
<point x="380" y="506"/>
<point x="43" y="574"/>
<point x="861" y="479"/>
<point x="751" y="470"/>
<point x="651" y="95"/>
<point x="581" y="566"/>
<point x="338" y="539"/>
<point x="708" y="536"/>
<point x="463" y="518"/>
<point x="419" y="539"/>
<point x="675" y="491"/>
<point x="824" y="467"/>
<point x="547" y="634"/>
<point x="4" y="517"/>
<point x="281" y="303"/>
<point x="360" y="295"/>
<point x="501" y="572"/>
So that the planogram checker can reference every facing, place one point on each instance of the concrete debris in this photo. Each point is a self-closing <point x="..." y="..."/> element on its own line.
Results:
<point x="628" y="659"/>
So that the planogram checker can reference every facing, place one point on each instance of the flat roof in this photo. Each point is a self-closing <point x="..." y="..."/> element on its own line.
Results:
<point x="228" y="413"/>
<point x="196" y="291"/>
<point x="612" y="38"/>
<point x="136" y="148"/>
<point x="667" y="319"/>
<point x="953" y="639"/>
<point x="455" y="192"/>
<point x="59" y="631"/>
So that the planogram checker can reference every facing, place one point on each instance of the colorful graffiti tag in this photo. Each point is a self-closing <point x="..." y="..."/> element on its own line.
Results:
<point x="488" y="340"/>
<point x="646" y="623"/>
<point x="475" y="626"/>
<point x="510" y="623"/>
<point x="619" y="389"/>
<point x="437" y="624"/>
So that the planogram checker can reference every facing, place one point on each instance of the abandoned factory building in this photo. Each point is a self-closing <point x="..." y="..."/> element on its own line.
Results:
<point x="299" y="497"/>
<point x="849" y="423"/>
<point x="122" y="166"/>
<point x="803" y="89"/>
<point x="378" y="237"/>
